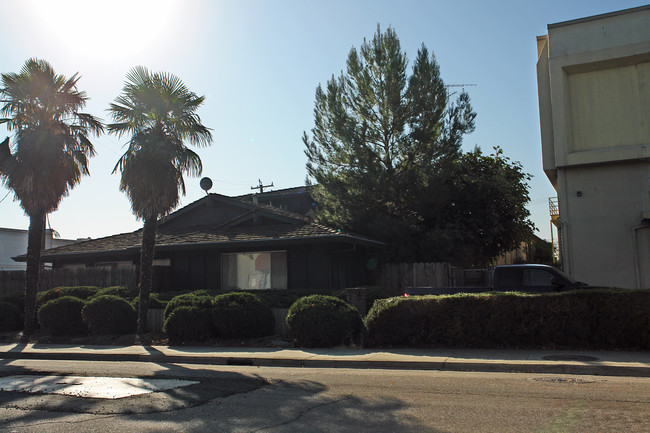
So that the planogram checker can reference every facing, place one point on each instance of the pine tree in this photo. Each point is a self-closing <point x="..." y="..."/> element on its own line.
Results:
<point x="385" y="157"/>
<point x="380" y="135"/>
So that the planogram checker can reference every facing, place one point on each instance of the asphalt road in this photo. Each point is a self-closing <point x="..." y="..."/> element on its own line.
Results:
<point x="264" y="399"/>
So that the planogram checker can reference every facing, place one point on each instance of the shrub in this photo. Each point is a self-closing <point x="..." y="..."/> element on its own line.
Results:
<point x="121" y="291"/>
<point x="10" y="317"/>
<point x="582" y="319"/>
<point x="188" y="300"/>
<point x="241" y="315"/>
<point x="376" y="292"/>
<point x="187" y="323"/>
<point x="277" y="298"/>
<point x="109" y="314"/>
<point x="62" y="316"/>
<point x="16" y="299"/>
<point x="81" y="292"/>
<point x="323" y="321"/>
<point x="155" y="303"/>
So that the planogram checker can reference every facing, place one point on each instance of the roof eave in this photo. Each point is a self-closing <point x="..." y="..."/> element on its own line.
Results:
<point x="202" y="245"/>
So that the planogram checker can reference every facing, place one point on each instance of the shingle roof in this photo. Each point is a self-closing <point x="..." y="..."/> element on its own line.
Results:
<point x="210" y="235"/>
<point x="289" y="227"/>
<point x="241" y="201"/>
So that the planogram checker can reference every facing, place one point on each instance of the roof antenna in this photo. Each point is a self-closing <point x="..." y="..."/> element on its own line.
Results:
<point x="261" y="186"/>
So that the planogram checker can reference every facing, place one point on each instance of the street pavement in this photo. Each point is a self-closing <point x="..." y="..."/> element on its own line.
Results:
<point x="604" y="363"/>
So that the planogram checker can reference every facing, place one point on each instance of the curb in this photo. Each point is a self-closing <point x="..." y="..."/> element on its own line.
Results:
<point x="503" y="366"/>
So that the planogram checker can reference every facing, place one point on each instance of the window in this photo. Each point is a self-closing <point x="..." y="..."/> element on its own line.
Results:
<point x="537" y="278"/>
<point x="254" y="271"/>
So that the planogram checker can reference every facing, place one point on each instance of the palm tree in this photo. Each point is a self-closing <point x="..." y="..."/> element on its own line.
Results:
<point x="159" y="113"/>
<point x="50" y="152"/>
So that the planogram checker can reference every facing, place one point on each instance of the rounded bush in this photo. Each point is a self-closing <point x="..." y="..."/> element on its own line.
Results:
<point x="241" y="315"/>
<point x="155" y="303"/>
<point x="187" y="323"/>
<point x="10" y="317"/>
<point x="81" y="292"/>
<point x="109" y="315"/>
<point x="62" y="316"/>
<point x="121" y="291"/>
<point x="16" y="299"/>
<point x="188" y="300"/>
<point x="323" y="321"/>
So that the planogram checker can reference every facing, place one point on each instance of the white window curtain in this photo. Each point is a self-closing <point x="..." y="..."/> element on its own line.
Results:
<point x="261" y="270"/>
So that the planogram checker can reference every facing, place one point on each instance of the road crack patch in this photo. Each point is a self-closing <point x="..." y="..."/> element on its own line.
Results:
<point x="304" y="412"/>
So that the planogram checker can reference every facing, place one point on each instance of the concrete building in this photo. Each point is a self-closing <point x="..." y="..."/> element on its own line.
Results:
<point x="13" y="242"/>
<point x="594" y="98"/>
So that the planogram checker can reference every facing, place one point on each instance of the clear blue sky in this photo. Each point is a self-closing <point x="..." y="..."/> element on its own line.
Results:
<point x="258" y="64"/>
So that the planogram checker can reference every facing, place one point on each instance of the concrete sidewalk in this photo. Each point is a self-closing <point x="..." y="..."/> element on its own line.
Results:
<point x="522" y="361"/>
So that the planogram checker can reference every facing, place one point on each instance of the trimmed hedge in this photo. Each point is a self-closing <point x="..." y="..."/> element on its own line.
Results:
<point x="16" y="299"/>
<point x="188" y="300"/>
<point x="10" y="317"/>
<point x="121" y="291"/>
<point x="241" y="315"/>
<point x="582" y="319"/>
<point x="277" y="298"/>
<point x="109" y="314"/>
<point x="323" y="321"/>
<point x="62" y="316"/>
<point x="81" y="292"/>
<point x="187" y="323"/>
<point x="155" y="303"/>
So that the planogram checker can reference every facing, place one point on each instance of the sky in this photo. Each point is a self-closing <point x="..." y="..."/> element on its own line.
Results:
<point x="258" y="63"/>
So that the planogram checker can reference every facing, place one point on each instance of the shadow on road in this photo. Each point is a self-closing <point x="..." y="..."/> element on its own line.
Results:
<point x="224" y="400"/>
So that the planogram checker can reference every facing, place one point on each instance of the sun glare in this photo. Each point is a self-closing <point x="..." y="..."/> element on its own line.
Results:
<point x="110" y="29"/>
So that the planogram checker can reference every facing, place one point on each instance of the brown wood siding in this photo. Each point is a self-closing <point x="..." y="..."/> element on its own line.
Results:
<point x="315" y="268"/>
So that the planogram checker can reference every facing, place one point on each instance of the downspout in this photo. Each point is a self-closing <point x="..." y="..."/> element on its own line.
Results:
<point x="637" y="255"/>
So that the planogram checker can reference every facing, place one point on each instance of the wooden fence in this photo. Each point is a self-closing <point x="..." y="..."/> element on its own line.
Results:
<point x="397" y="276"/>
<point x="14" y="281"/>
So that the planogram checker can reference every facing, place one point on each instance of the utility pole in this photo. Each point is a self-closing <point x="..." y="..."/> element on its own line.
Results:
<point x="261" y="186"/>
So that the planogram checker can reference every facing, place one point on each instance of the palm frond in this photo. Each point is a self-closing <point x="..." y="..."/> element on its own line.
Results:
<point x="51" y="140"/>
<point x="158" y="111"/>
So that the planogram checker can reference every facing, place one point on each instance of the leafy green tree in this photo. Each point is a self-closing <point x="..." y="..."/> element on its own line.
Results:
<point x="50" y="152"/>
<point x="476" y="211"/>
<point x="158" y="112"/>
<point x="385" y="155"/>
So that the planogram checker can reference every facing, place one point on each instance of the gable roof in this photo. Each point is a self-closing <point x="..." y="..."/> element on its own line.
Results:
<point x="245" y="205"/>
<point x="280" y="227"/>
<point x="208" y="236"/>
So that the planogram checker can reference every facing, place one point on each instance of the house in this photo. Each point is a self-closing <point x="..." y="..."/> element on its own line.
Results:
<point x="233" y="243"/>
<point x="13" y="242"/>
<point x="298" y="199"/>
<point x="593" y="79"/>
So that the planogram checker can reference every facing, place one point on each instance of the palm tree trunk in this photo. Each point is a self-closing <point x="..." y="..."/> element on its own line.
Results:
<point x="146" y="270"/>
<point x="34" y="247"/>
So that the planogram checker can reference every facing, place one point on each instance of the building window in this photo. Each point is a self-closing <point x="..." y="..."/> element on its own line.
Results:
<point x="254" y="271"/>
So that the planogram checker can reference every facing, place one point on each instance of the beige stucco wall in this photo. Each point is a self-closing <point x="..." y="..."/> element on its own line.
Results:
<point x="594" y="97"/>
<point x="609" y="108"/>
<point x="600" y="207"/>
